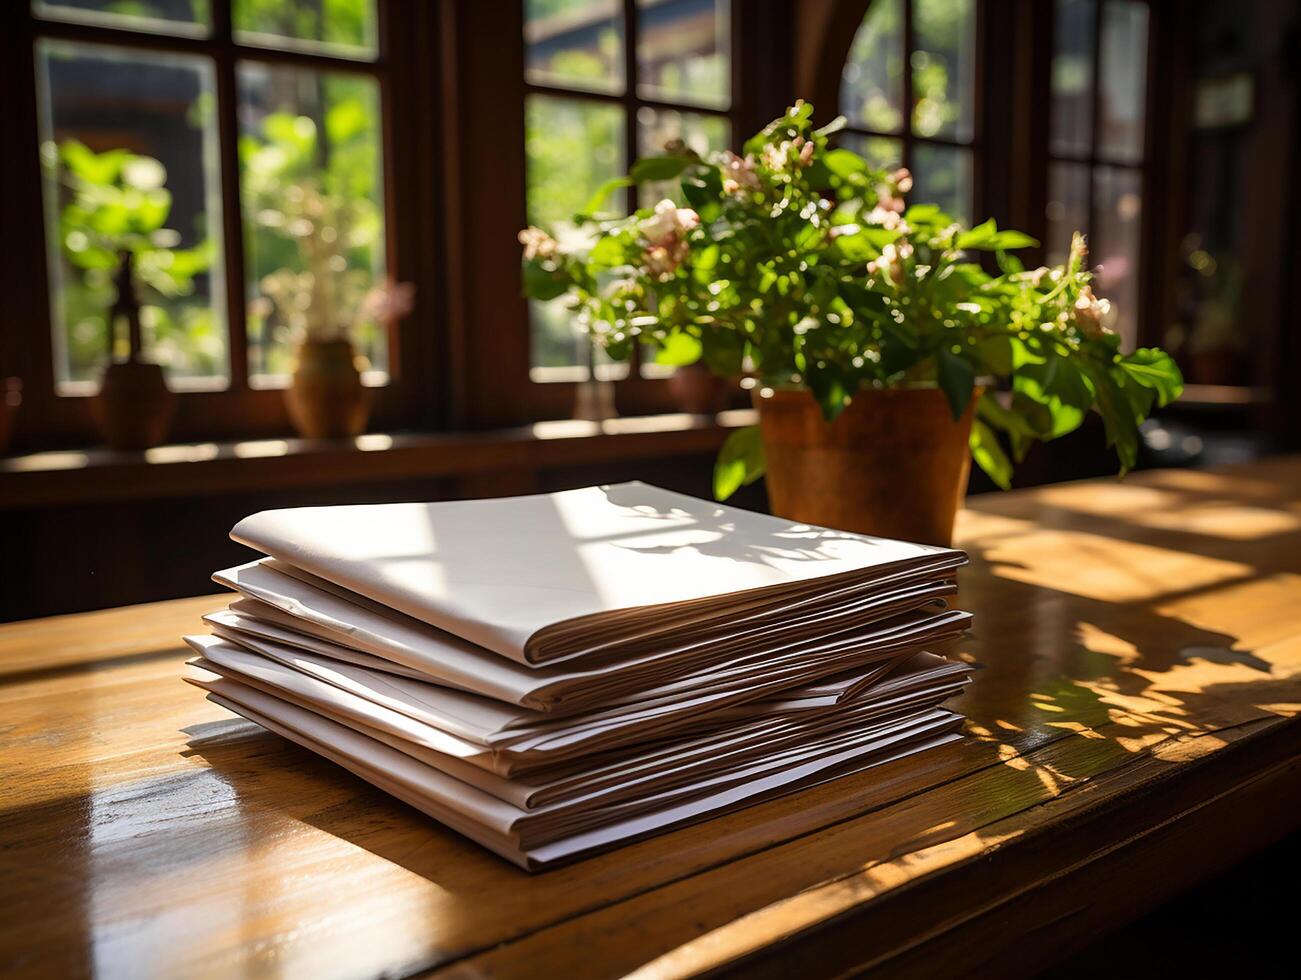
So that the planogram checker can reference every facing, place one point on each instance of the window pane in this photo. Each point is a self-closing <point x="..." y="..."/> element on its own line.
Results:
<point x="871" y="87"/>
<point x="1115" y="244"/>
<point x="1072" y="78"/>
<point x="129" y="152"/>
<point x="944" y="67"/>
<point x="339" y="27"/>
<point x="573" y="147"/>
<point x="313" y="222"/>
<point x="881" y="152"/>
<point x="942" y="175"/>
<point x="657" y="128"/>
<point x="1123" y="77"/>
<point x="158" y="16"/>
<point x="683" y="54"/>
<point x="575" y="43"/>
<point x="1068" y="208"/>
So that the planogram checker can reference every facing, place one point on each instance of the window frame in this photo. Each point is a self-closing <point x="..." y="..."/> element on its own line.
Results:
<point x="977" y="146"/>
<point x="53" y="418"/>
<point x="637" y="392"/>
<point x="1147" y="332"/>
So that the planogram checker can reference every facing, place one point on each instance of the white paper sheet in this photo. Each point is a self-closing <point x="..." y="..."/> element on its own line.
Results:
<point x="529" y="577"/>
<point x="492" y="823"/>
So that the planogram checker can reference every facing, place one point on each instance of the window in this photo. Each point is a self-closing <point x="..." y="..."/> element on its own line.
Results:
<point x="608" y="81"/>
<point x="1096" y="144"/>
<point x="908" y="92"/>
<point x="234" y="148"/>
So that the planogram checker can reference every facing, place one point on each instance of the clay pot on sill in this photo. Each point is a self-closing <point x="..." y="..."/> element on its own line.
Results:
<point x="326" y="399"/>
<point x="11" y="396"/>
<point x="697" y="390"/>
<point x="893" y="464"/>
<point x="134" y="406"/>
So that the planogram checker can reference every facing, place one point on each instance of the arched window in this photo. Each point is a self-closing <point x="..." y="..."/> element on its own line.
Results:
<point x="909" y="93"/>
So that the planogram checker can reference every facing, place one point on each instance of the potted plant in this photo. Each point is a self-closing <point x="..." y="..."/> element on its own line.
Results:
<point x="883" y="354"/>
<point x="134" y="405"/>
<point x="318" y="229"/>
<point x="112" y="232"/>
<point x="322" y="304"/>
<point x="322" y="309"/>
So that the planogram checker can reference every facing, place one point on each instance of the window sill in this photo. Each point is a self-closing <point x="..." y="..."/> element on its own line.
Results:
<point x="41" y="480"/>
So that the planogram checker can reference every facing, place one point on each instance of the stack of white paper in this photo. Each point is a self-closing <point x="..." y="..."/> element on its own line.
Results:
<point x="559" y="674"/>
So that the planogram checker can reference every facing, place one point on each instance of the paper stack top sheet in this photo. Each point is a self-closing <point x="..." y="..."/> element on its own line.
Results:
<point x="511" y="574"/>
<point x="558" y="674"/>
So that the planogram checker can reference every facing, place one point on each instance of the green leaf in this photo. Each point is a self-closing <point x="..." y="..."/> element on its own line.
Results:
<point x="607" y="251"/>
<point x="1056" y="384"/>
<point x="702" y="188"/>
<point x="987" y="236"/>
<point x="678" y="349"/>
<point x="724" y="352"/>
<point x="1154" y="369"/>
<point x="1018" y="428"/>
<point x="865" y="303"/>
<point x="543" y="284"/>
<point x="996" y="352"/>
<point x="657" y="168"/>
<point x="594" y="202"/>
<point x="957" y="379"/>
<point x="879" y="237"/>
<point x="844" y="163"/>
<point x="979" y="236"/>
<point x="92" y="167"/>
<point x="1117" y="414"/>
<point x="989" y="455"/>
<point x="923" y="214"/>
<point x="740" y="462"/>
<point x="829" y="389"/>
<point x="1008" y="240"/>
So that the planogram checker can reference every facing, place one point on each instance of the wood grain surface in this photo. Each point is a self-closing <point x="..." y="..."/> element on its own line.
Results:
<point x="1133" y="731"/>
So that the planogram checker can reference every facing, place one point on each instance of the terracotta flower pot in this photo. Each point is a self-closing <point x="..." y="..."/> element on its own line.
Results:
<point x="134" y="406"/>
<point x="893" y="464"/>
<point x="698" y="390"/>
<point x="327" y="399"/>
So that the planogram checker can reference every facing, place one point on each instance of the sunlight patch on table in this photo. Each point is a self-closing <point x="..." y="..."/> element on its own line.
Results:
<point x="1108" y="569"/>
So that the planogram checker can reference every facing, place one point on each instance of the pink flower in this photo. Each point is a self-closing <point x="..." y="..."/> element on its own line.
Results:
<point x="888" y="218"/>
<point x="890" y="262"/>
<point x="902" y="180"/>
<point x="738" y="173"/>
<point x="537" y="244"/>
<point x="888" y="201"/>
<point x="669" y="220"/>
<point x="666" y="233"/>
<point x="792" y="154"/>
<point x="1090" y="311"/>
<point x="662" y="261"/>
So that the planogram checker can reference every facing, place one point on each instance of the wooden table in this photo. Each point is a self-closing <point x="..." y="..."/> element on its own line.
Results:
<point x="1133" y="731"/>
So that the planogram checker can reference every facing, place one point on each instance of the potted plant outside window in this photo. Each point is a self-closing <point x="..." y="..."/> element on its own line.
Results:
<point x="322" y="295"/>
<point x="127" y="269"/>
<point x="884" y="354"/>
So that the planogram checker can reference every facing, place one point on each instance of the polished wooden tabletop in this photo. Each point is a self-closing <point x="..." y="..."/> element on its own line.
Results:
<point x="1133" y="731"/>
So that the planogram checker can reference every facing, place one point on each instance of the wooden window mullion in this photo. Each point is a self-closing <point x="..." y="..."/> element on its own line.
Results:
<point x="906" y="127"/>
<point x="631" y="145"/>
<point x="232" y="207"/>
